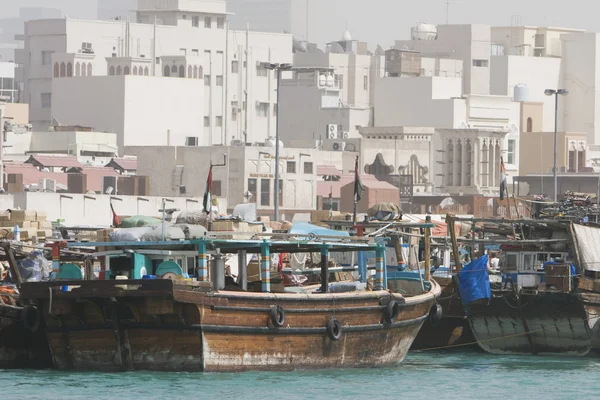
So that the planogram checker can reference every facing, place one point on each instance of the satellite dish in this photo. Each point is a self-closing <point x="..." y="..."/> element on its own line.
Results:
<point x="109" y="190"/>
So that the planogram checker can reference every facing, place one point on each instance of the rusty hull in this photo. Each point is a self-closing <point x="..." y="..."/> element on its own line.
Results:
<point x="191" y="329"/>
<point x="547" y="323"/>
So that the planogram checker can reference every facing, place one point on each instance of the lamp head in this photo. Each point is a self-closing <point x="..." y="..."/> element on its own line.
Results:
<point x="549" y="92"/>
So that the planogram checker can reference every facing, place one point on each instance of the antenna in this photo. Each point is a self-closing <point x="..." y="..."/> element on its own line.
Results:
<point x="447" y="10"/>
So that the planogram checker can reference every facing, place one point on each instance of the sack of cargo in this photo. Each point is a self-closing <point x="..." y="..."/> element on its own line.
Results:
<point x="192" y="231"/>
<point x="196" y="217"/>
<point x="139" y="221"/>
<point x="385" y="212"/>
<point x="155" y="234"/>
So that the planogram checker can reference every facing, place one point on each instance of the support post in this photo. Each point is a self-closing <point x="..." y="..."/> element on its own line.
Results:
<point x="265" y="266"/>
<point x="362" y="267"/>
<point x="202" y="271"/>
<point x="324" y="269"/>
<point x="379" y="268"/>
<point x="450" y="220"/>
<point x="242" y="270"/>
<point x="427" y="251"/>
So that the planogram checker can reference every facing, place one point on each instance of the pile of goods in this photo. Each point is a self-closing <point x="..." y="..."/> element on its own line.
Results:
<point x="578" y="207"/>
<point x="30" y="224"/>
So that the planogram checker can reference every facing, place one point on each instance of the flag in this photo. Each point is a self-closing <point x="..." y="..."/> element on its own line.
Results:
<point x="207" y="193"/>
<point x="359" y="189"/>
<point x="115" y="220"/>
<point x="502" y="179"/>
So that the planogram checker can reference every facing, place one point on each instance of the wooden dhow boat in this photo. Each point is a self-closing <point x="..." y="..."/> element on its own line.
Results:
<point x="129" y="322"/>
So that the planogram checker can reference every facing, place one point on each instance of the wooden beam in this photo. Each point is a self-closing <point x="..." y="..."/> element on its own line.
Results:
<point x="427" y="251"/>
<point x="450" y="220"/>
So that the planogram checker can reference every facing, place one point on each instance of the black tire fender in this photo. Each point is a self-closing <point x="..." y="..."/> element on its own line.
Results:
<point x="32" y="318"/>
<point x="391" y="312"/>
<point x="277" y="314"/>
<point x="435" y="314"/>
<point x="334" y="329"/>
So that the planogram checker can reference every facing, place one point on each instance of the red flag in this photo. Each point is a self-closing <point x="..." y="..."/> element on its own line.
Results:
<point x="115" y="221"/>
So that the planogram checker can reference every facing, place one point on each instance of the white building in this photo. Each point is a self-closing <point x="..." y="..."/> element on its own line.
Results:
<point x="261" y="15"/>
<point x="239" y="94"/>
<point x="9" y="89"/>
<point x="469" y="43"/>
<point x="247" y="177"/>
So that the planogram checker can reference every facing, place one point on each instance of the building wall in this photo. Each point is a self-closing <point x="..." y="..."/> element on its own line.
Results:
<point x="418" y="101"/>
<point x="108" y="40"/>
<point x="535" y="111"/>
<point x="17" y="113"/>
<point x="540" y="154"/>
<point x="180" y="166"/>
<point x="580" y="110"/>
<point x="463" y="42"/>
<point x="538" y="73"/>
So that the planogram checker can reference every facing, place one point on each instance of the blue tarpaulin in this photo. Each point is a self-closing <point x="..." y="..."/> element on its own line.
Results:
<point x="300" y="228"/>
<point x="474" y="281"/>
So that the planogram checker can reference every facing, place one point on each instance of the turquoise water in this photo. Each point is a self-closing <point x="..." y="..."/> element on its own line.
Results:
<point x="423" y="375"/>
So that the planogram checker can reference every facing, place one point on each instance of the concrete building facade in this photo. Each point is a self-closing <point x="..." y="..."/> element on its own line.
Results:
<point x="239" y="94"/>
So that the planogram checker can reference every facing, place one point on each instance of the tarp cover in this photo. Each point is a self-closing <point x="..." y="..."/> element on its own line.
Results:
<point x="474" y="281"/>
<point x="306" y="228"/>
<point x="587" y="239"/>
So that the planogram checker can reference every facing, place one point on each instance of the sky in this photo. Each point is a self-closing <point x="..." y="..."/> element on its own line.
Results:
<point x="383" y="21"/>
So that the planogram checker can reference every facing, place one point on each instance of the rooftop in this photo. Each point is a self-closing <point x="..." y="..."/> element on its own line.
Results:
<point x="54" y="161"/>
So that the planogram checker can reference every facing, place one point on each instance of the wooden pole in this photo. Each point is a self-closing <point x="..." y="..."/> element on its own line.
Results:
<point x="12" y="263"/>
<point x="324" y="269"/>
<point x="265" y="266"/>
<point x="450" y="219"/>
<point x="427" y="251"/>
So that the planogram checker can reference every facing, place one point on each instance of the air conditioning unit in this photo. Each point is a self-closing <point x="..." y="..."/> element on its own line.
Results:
<point x="86" y="48"/>
<point x="345" y="135"/>
<point x="109" y="182"/>
<point x="47" y="185"/>
<point x="339" y="146"/>
<point x="237" y="142"/>
<point x="332" y="131"/>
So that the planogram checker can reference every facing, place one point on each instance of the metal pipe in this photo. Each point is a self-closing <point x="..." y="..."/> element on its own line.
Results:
<point x="555" y="145"/>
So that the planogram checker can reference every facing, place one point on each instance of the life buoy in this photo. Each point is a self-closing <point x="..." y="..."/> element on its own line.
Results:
<point x="32" y="318"/>
<point x="277" y="316"/>
<point x="391" y="312"/>
<point x="435" y="314"/>
<point x="334" y="329"/>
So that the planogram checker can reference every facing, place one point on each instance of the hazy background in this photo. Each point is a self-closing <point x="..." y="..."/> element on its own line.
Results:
<point x="383" y="21"/>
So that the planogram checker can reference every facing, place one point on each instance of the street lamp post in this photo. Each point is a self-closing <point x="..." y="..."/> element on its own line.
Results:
<point x="555" y="93"/>
<point x="277" y="67"/>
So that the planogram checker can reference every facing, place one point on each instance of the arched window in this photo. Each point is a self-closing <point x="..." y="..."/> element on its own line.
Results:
<point x="181" y="71"/>
<point x="83" y="69"/>
<point x="167" y="71"/>
<point x="78" y="69"/>
<point x="195" y="72"/>
<point x="459" y="158"/>
<point x="469" y="164"/>
<point x="146" y="71"/>
<point x="69" y="70"/>
<point x="56" y="70"/>
<point x="126" y="70"/>
<point x="119" y="70"/>
<point x="135" y="70"/>
<point x="63" y="70"/>
<point x="174" y="70"/>
<point x="89" y="69"/>
<point x="529" y="124"/>
<point x="189" y="71"/>
<point x="111" y="70"/>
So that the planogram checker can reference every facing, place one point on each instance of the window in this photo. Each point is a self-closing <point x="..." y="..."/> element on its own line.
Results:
<point x="207" y="22"/>
<point x="219" y="80"/>
<point x="262" y="110"/>
<point x="219" y="121"/>
<point x="111" y="70"/>
<point x="63" y="70"/>
<point x="206" y="122"/>
<point x="234" y="110"/>
<point x="261" y="70"/>
<point x="252" y="189"/>
<point x="69" y="70"/>
<point x="480" y="63"/>
<point x="167" y="71"/>
<point x="126" y="70"/>
<point x="529" y="124"/>
<point x="216" y="189"/>
<point x="181" y="71"/>
<point x="57" y="70"/>
<point x="510" y="155"/>
<point x="235" y="66"/>
<point x="47" y="57"/>
<point x="191" y="141"/>
<point x="265" y="192"/>
<point x="308" y="167"/>
<point x="366" y="82"/>
<point x="195" y="22"/>
<point x="291" y="167"/>
<point x="119" y="70"/>
<point x="220" y="23"/>
<point x="206" y="80"/>
<point x="580" y="160"/>
<point x="195" y="52"/>
<point x="46" y="100"/>
<point x="183" y="52"/>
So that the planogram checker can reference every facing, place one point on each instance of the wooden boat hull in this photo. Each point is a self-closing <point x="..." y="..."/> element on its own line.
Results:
<point x="546" y="323"/>
<point x="229" y="331"/>
<point x="591" y="303"/>
<point x="453" y="331"/>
